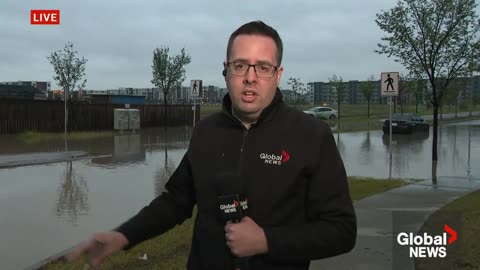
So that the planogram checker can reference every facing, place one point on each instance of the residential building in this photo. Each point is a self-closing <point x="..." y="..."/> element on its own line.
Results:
<point x="25" y="89"/>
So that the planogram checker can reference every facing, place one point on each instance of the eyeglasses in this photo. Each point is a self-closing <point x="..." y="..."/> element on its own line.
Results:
<point x="261" y="70"/>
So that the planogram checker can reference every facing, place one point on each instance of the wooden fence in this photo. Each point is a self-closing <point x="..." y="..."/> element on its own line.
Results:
<point x="17" y="115"/>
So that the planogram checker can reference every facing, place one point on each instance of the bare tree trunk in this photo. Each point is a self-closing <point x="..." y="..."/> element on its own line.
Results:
<point x="368" y="109"/>
<point x="66" y="93"/>
<point x="434" y="142"/>
<point x="338" y="109"/>
<point x="456" y="107"/>
<point x="165" y="111"/>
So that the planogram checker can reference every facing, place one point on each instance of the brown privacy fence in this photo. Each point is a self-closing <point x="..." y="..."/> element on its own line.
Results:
<point x="17" y="115"/>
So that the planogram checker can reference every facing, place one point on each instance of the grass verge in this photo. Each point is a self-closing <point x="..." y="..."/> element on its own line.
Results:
<point x="354" y="117"/>
<point x="464" y="253"/>
<point x="170" y="250"/>
<point x="31" y="137"/>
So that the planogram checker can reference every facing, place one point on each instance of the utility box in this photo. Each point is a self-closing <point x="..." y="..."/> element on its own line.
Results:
<point x="134" y="118"/>
<point x="124" y="119"/>
<point x="120" y="119"/>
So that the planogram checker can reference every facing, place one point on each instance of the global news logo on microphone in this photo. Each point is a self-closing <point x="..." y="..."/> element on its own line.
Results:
<point x="234" y="206"/>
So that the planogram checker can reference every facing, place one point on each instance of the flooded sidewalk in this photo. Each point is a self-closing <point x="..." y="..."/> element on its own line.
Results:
<point x="40" y="158"/>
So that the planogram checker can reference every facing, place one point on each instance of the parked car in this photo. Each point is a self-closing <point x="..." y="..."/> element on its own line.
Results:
<point x="405" y="123"/>
<point x="323" y="112"/>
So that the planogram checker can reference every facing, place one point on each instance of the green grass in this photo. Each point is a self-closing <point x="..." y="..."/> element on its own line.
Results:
<point x="31" y="137"/>
<point x="356" y="110"/>
<point x="463" y="254"/>
<point x="354" y="116"/>
<point x="361" y="187"/>
<point x="170" y="250"/>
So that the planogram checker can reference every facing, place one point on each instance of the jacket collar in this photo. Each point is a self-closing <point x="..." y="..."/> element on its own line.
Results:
<point x="265" y="115"/>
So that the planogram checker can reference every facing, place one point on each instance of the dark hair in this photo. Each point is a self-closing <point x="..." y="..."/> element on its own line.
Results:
<point x="257" y="28"/>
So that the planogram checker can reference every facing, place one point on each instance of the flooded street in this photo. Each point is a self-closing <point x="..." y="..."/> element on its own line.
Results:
<point x="45" y="209"/>
<point x="367" y="153"/>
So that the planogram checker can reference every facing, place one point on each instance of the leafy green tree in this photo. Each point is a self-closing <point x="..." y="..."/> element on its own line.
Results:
<point x="338" y="87"/>
<point x="168" y="72"/>
<point x="368" y="88"/>
<point x="298" y="88"/>
<point x="437" y="39"/>
<point x="69" y="70"/>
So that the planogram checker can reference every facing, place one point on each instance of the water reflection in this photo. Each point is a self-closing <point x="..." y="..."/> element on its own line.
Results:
<point x="72" y="195"/>
<point x="163" y="173"/>
<point x="404" y="145"/>
<point x="127" y="150"/>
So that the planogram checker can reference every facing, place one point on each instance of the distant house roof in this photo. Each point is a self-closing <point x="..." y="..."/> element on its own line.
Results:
<point x="21" y="92"/>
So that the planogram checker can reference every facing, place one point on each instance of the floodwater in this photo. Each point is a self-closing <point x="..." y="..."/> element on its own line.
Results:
<point x="45" y="209"/>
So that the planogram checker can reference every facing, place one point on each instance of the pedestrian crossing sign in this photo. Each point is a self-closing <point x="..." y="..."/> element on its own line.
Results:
<point x="195" y="88"/>
<point x="389" y="82"/>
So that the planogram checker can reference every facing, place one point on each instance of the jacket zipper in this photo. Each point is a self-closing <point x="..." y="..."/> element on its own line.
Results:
<point x="242" y="151"/>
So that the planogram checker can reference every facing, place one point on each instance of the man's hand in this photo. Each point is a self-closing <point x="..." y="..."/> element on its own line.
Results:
<point x="246" y="238"/>
<point x="98" y="247"/>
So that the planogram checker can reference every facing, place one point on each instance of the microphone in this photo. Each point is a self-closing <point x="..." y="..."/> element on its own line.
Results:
<point x="233" y="206"/>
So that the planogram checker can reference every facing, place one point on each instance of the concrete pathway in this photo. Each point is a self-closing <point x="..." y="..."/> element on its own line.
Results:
<point x="409" y="205"/>
<point x="39" y="158"/>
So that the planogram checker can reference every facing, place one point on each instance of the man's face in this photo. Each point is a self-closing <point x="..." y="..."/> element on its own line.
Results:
<point x="249" y="93"/>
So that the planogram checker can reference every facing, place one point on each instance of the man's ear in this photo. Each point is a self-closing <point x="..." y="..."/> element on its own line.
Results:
<point x="224" y="72"/>
<point x="279" y="75"/>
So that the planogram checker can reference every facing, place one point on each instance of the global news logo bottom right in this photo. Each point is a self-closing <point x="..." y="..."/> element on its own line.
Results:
<point x="428" y="246"/>
<point x="423" y="242"/>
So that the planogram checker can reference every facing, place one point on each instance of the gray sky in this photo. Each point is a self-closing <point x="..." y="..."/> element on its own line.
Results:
<point x="321" y="38"/>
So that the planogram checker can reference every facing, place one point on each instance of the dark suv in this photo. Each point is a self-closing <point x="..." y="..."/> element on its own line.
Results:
<point x="405" y="123"/>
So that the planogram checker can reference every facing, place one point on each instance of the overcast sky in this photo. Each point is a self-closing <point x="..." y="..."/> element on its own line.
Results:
<point x="321" y="38"/>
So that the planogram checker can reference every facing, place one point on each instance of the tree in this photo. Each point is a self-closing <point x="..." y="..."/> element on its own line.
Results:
<point x="69" y="71"/>
<point x="407" y="89"/>
<point x="298" y="88"/>
<point x="418" y="88"/>
<point x="168" y="71"/>
<point x="456" y="87"/>
<point x="368" y="88"/>
<point x="338" y="87"/>
<point x="434" y="38"/>
<point x="474" y="96"/>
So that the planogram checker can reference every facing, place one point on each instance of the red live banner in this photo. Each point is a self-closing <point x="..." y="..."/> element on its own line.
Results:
<point x="45" y="16"/>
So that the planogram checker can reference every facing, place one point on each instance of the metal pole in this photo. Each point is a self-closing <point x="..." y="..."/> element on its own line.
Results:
<point x="66" y="116"/>
<point x="390" y="167"/>
<point x="194" y="109"/>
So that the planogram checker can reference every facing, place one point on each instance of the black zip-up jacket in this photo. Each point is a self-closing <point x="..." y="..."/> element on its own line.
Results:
<point x="292" y="174"/>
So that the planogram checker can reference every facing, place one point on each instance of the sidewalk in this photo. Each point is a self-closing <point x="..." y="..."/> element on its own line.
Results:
<point x="373" y="250"/>
<point x="39" y="158"/>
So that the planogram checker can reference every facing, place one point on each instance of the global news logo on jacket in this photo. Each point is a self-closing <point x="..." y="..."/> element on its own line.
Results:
<point x="275" y="159"/>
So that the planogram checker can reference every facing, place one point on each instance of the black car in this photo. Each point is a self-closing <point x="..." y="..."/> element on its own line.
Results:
<point x="405" y="123"/>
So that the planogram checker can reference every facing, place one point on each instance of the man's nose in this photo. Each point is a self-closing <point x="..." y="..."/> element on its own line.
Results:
<point x="250" y="75"/>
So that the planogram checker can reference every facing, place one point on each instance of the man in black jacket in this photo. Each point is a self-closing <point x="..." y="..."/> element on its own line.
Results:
<point x="285" y="162"/>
